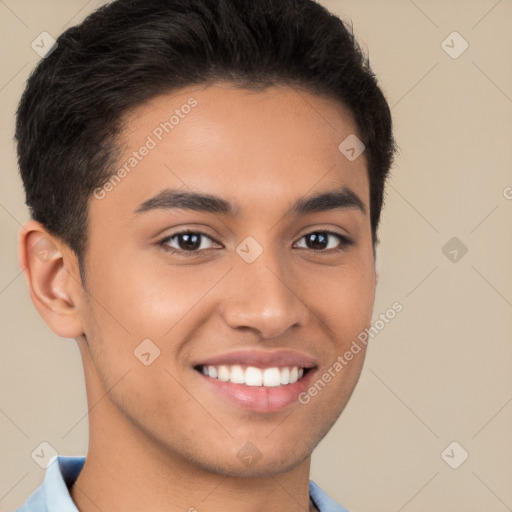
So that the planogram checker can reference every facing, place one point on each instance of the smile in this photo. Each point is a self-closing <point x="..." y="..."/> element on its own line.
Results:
<point x="253" y="376"/>
<point x="262" y="381"/>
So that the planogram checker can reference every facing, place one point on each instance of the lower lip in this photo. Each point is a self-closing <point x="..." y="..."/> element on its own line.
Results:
<point x="260" y="398"/>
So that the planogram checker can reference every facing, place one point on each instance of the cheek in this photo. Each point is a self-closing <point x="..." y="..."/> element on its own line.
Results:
<point x="343" y="304"/>
<point x="143" y="298"/>
<point x="133" y="301"/>
<point x="345" y="297"/>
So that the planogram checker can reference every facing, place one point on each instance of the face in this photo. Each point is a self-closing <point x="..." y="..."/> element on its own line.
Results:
<point x="220" y="285"/>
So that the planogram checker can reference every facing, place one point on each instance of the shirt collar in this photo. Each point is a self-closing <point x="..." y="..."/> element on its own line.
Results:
<point x="60" y="476"/>
<point x="63" y="471"/>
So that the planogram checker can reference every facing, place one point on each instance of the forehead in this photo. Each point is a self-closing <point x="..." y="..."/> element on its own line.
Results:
<point x="257" y="148"/>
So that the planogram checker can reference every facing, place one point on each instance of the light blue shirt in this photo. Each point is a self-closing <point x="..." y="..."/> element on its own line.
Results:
<point x="53" y="495"/>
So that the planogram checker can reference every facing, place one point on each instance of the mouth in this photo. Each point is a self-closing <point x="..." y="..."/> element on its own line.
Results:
<point x="253" y="376"/>
<point x="258" y="381"/>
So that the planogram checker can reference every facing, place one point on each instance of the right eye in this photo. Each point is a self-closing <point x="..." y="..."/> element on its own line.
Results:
<point x="187" y="243"/>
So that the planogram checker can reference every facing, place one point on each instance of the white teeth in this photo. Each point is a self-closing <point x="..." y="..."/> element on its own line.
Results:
<point x="223" y="373"/>
<point x="252" y="376"/>
<point x="271" y="377"/>
<point x="237" y="375"/>
<point x="212" y="372"/>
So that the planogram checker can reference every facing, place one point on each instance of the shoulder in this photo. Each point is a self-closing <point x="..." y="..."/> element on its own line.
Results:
<point x="53" y="495"/>
<point x="323" y="502"/>
<point x="35" y="502"/>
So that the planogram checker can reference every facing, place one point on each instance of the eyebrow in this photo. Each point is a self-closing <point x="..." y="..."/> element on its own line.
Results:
<point x="343" y="199"/>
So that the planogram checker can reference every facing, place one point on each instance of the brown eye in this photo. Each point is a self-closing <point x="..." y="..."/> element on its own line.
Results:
<point x="325" y="241"/>
<point x="187" y="242"/>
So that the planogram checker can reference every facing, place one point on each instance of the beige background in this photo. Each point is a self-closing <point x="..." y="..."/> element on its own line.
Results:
<point x="441" y="371"/>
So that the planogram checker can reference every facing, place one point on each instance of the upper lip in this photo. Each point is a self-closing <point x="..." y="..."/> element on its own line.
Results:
<point x="265" y="359"/>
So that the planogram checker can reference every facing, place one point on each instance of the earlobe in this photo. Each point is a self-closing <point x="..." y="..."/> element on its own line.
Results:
<point x="51" y="271"/>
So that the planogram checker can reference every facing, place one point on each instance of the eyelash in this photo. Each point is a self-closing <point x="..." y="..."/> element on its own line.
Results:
<point x="344" y="242"/>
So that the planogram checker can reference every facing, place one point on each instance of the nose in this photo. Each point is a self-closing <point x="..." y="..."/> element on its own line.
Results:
<point x="263" y="296"/>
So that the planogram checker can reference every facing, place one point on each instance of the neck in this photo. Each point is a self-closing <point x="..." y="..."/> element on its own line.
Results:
<point x="122" y="473"/>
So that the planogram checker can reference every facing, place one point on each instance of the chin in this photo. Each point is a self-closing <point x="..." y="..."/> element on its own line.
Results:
<point x="261" y="468"/>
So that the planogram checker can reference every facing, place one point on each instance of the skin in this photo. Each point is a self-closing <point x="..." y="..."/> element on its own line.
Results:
<point x="159" y="439"/>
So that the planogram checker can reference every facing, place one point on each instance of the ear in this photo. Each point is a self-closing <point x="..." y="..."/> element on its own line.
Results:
<point x="51" y="270"/>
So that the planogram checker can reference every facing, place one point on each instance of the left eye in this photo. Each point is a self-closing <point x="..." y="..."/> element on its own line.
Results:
<point x="325" y="240"/>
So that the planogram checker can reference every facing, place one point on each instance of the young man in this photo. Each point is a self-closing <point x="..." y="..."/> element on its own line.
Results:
<point x="205" y="179"/>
